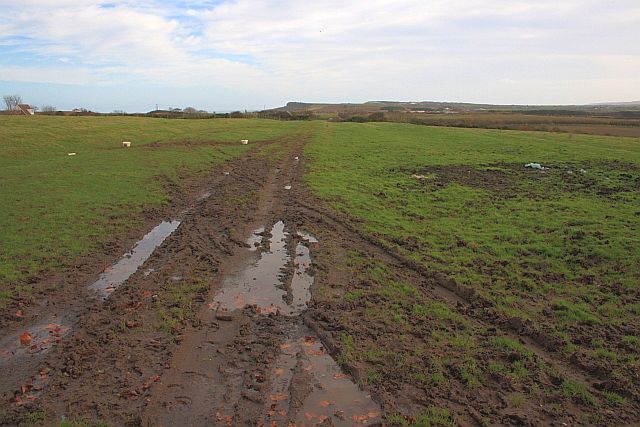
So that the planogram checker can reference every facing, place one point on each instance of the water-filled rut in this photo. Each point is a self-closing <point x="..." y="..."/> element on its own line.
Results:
<point x="263" y="283"/>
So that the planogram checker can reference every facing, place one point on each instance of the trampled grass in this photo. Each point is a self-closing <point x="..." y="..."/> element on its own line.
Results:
<point x="560" y="247"/>
<point x="54" y="207"/>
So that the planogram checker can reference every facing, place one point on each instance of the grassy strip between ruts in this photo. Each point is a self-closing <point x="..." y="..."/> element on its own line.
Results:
<point x="558" y="246"/>
<point x="54" y="207"/>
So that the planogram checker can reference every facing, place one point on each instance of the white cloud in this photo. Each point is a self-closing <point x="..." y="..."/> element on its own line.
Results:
<point x="333" y="50"/>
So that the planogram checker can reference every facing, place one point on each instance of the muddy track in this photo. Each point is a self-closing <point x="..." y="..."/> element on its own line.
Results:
<point x="101" y="368"/>
<point x="158" y="350"/>
<point x="210" y="329"/>
<point x="464" y="300"/>
<point x="259" y="365"/>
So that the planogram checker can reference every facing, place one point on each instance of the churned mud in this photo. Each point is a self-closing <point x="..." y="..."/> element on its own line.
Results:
<point x="254" y="361"/>
<point x="200" y="322"/>
<point x="309" y="388"/>
<point x="115" y="275"/>
<point x="253" y="303"/>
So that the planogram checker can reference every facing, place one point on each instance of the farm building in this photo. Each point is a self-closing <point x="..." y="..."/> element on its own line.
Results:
<point x="24" y="109"/>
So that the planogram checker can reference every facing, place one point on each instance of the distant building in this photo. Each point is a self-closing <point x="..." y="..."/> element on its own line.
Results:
<point x="24" y="109"/>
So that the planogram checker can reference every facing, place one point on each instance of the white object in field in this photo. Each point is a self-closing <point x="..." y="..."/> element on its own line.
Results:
<point x="225" y="173"/>
<point x="126" y="144"/>
<point x="534" y="166"/>
<point x="244" y="141"/>
<point x="71" y="154"/>
<point x="295" y="158"/>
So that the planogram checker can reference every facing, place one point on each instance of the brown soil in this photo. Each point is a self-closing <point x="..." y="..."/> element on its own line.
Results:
<point x="156" y="353"/>
<point x="511" y="180"/>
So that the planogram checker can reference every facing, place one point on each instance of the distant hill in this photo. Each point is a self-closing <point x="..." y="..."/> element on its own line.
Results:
<point x="454" y="107"/>
<point x="622" y="104"/>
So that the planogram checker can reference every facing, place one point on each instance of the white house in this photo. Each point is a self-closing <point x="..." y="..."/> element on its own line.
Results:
<point x="24" y="109"/>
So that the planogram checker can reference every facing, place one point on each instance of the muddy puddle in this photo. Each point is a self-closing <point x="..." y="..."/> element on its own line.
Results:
<point x="262" y="283"/>
<point x="333" y="397"/>
<point x="117" y="274"/>
<point x="255" y="239"/>
<point x="301" y="281"/>
<point x="34" y="339"/>
<point x="205" y="195"/>
<point x="41" y="337"/>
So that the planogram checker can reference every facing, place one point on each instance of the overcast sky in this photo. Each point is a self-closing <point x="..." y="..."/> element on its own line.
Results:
<point x="245" y="54"/>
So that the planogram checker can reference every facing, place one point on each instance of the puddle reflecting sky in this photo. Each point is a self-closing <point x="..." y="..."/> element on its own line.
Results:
<point x="262" y="284"/>
<point x="116" y="275"/>
<point x="35" y="339"/>
<point x="334" y="397"/>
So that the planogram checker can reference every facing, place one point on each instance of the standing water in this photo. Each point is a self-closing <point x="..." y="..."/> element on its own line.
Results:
<point x="131" y="261"/>
<point x="333" y="396"/>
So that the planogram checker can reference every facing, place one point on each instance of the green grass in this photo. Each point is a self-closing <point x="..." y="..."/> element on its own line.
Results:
<point x="614" y="399"/>
<point x="55" y="207"/>
<point x="433" y="417"/>
<point x="509" y="345"/>
<point x="563" y="241"/>
<point x="578" y="391"/>
<point x="177" y="303"/>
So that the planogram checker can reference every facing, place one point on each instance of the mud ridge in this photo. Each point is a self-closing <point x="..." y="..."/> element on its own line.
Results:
<point x="541" y="342"/>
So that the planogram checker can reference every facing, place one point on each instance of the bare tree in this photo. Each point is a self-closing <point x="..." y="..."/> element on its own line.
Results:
<point x="48" y="109"/>
<point x="12" y="101"/>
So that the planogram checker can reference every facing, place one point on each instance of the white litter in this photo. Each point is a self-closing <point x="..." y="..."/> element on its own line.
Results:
<point x="71" y="154"/>
<point x="295" y="158"/>
<point x="244" y="141"/>
<point x="225" y="173"/>
<point x="287" y="187"/>
<point x="126" y="144"/>
<point x="535" y="166"/>
<point x="414" y="176"/>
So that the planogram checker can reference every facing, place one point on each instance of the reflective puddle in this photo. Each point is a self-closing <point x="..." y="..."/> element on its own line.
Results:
<point x="43" y="336"/>
<point x="301" y="281"/>
<point x="34" y="339"/>
<point x="255" y="239"/>
<point x="262" y="284"/>
<point x="334" y="398"/>
<point x="116" y="275"/>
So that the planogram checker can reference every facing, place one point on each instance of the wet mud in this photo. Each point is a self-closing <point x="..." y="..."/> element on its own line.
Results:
<point x="264" y="283"/>
<point x="253" y="312"/>
<point x="328" y="395"/>
<point x="256" y="362"/>
<point x="115" y="275"/>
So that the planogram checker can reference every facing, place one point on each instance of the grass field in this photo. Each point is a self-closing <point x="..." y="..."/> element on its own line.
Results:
<point x="558" y="248"/>
<point x="593" y="125"/>
<point x="54" y="207"/>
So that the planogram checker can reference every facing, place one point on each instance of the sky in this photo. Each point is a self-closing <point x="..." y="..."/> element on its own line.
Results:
<point x="223" y="55"/>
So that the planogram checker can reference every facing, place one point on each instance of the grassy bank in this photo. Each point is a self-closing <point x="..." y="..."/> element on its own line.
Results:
<point x="558" y="248"/>
<point x="54" y="207"/>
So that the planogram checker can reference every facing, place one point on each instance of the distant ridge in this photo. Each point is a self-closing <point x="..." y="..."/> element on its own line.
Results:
<point x="457" y="107"/>
<point x="628" y="103"/>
